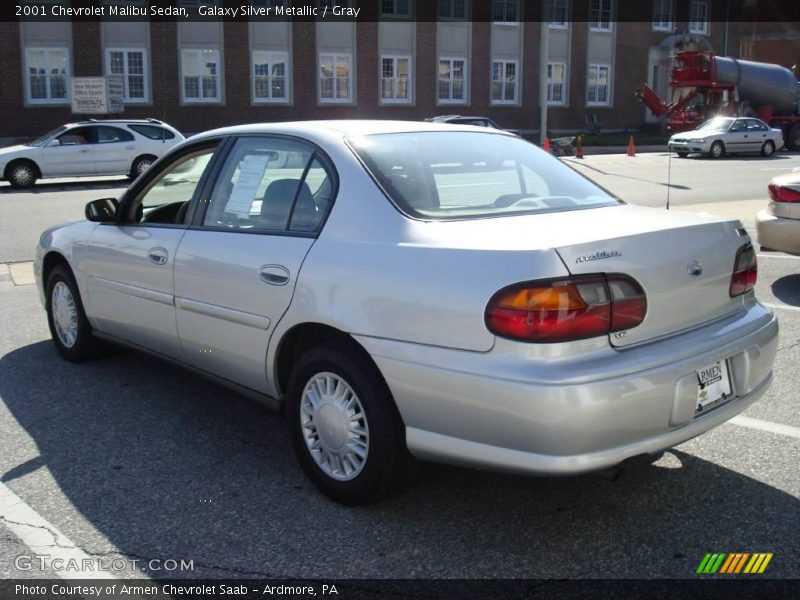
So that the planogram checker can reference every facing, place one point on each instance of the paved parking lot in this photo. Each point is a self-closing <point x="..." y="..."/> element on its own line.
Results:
<point x="130" y="457"/>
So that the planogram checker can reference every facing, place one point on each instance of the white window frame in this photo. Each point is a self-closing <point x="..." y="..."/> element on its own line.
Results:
<point x="394" y="12"/>
<point x="465" y="81"/>
<point x="693" y="17"/>
<point x="658" y="23"/>
<point x="596" y="24"/>
<point x="449" y="14"/>
<point x="563" y="101"/>
<point x="505" y="20"/>
<point x="271" y="56"/>
<point x="394" y="99"/>
<point x="609" y="85"/>
<point x="551" y="8"/>
<point x="335" y="56"/>
<point x="67" y="77"/>
<point x="504" y="101"/>
<point x="145" y="73"/>
<point x="201" y="99"/>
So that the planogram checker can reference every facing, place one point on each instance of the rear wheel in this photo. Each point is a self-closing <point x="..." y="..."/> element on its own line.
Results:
<point x="141" y="164"/>
<point x="22" y="173"/>
<point x="344" y="426"/>
<point x="768" y="148"/>
<point x="682" y="154"/>
<point x="793" y="139"/>
<point x="69" y="327"/>
<point x="717" y="150"/>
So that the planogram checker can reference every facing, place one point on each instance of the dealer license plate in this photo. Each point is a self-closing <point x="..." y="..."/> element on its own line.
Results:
<point x="713" y="386"/>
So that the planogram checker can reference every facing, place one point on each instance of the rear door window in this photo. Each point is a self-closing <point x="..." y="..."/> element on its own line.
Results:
<point x="110" y="135"/>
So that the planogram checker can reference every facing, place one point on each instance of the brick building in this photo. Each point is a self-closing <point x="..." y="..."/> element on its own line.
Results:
<point x="401" y="60"/>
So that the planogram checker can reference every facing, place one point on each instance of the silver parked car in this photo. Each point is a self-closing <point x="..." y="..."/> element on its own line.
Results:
<point x="407" y="289"/>
<point x="728" y="135"/>
<point x="778" y="225"/>
<point x="88" y="148"/>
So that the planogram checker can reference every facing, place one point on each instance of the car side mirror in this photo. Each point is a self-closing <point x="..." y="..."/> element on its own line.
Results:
<point x="103" y="210"/>
<point x="55" y="143"/>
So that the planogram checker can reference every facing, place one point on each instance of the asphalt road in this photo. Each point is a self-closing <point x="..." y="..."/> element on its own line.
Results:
<point x="128" y="456"/>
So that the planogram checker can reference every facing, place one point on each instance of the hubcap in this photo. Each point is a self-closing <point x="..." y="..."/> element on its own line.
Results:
<point x="716" y="150"/>
<point x="65" y="314"/>
<point x="768" y="148"/>
<point x="143" y="165"/>
<point x="22" y="175"/>
<point x="334" y="426"/>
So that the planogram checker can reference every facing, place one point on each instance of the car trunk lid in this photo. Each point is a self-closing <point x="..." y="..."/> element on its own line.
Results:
<point x="684" y="268"/>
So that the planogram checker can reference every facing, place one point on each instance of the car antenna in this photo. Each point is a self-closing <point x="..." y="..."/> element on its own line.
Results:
<point x="669" y="173"/>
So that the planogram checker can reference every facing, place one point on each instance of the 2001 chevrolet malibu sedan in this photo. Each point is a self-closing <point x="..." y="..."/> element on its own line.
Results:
<point x="404" y="290"/>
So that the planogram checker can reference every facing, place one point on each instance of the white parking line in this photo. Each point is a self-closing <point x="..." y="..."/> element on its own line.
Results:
<point x="778" y="428"/>
<point x="38" y="534"/>
<point x="780" y="306"/>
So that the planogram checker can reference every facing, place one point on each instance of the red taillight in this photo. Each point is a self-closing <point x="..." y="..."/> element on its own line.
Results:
<point x="566" y="309"/>
<point x="779" y="193"/>
<point x="745" y="271"/>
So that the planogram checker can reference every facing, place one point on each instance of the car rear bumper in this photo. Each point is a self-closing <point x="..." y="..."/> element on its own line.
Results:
<point x="494" y="411"/>
<point x="778" y="233"/>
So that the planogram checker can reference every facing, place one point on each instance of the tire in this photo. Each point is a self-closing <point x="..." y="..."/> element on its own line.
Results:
<point x="355" y="454"/>
<point x="717" y="150"/>
<point x="22" y="173"/>
<point x="793" y="139"/>
<point x="69" y="327"/>
<point x="141" y="164"/>
<point x="768" y="148"/>
<point x="682" y="154"/>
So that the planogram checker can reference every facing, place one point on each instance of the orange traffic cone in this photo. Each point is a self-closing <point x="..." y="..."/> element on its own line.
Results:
<point x="578" y="147"/>
<point x="547" y="144"/>
<point x="631" y="147"/>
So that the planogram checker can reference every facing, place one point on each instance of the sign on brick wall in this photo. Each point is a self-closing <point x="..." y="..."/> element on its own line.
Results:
<point x="97" y="95"/>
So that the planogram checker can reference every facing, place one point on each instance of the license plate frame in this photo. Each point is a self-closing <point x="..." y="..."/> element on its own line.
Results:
<point x="713" y="386"/>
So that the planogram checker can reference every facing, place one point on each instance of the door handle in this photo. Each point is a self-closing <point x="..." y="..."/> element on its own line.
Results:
<point x="274" y="274"/>
<point x="84" y="150"/>
<point x="159" y="256"/>
<point x="745" y="135"/>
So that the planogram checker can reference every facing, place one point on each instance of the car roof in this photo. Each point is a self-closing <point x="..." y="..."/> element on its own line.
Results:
<point x="117" y="122"/>
<point x="343" y="128"/>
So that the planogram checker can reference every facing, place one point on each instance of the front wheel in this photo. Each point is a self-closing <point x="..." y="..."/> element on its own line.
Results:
<point x="69" y="327"/>
<point x="22" y="174"/>
<point x="717" y="150"/>
<point x="768" y="148"/>
<point x="682" y="154"/>
<point x="344" y="425"/>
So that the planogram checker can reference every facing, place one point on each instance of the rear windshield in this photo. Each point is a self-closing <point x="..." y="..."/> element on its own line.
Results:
<point x="462" y="175"/>
<point x="153" y="132"/>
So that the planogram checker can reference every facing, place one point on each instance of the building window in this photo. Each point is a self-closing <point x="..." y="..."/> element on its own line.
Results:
<point x="335" y="80"/>
<point x="698" y="18"/>
<point x="452" y="9"/>
<point x="270" y="83"/>
<point x="600" y="15"/>
<point x="504" y="82"/>
<point x="452" y="79"/>
<point x="394" y="8"/>
<point x="662" y="15"/>
<point x="200" y="71"/>
<point x="131" y="65"/>
<point x="47" y="75"/>
<point x="598" y="86"/>
<point x="557" y="14"/>
<point x="556" y="78"/>
<point x="395" y="79"/>
<point x="505" y="11"/>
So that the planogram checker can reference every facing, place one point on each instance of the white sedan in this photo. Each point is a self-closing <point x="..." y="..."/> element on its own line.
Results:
<point x="728" y="135"/>
<point x="778" y="225"/>
<point x="88" y="148"/>
<point x="405" y="289"/>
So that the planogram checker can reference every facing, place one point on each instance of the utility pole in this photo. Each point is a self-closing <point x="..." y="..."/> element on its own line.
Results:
<point x="543" y="52"/>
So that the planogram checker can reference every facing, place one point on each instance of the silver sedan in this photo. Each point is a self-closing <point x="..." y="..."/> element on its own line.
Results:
<point x="727" y="135"/>
<point x="406" y="290"/>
